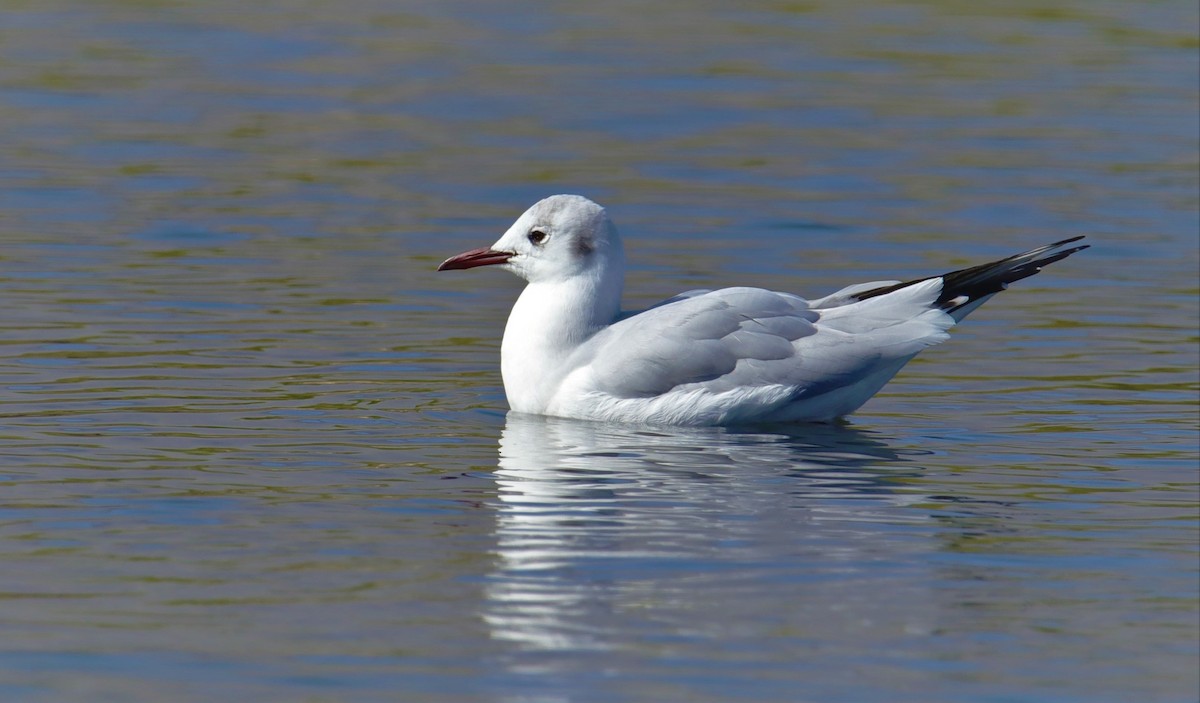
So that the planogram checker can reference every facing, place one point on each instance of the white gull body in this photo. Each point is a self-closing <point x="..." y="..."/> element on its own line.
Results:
<point x="721" y="357"/>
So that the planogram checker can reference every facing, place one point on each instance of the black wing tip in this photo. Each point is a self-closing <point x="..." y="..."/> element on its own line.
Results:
<point x="977" y="281"/>
<point x="980" y="281"/>
<point x="1065" y="252"/>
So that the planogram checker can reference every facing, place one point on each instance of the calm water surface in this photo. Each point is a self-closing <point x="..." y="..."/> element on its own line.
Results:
<point x="253" y="447"/>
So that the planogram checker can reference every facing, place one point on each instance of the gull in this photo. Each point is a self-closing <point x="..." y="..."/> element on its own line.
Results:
<point x="733" y="356"/>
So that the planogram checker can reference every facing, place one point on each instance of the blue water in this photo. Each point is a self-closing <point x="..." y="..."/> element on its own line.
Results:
<point x="253" y="446"/>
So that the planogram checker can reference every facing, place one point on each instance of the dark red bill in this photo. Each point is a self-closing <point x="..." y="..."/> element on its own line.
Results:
<point x="475" y="257"/>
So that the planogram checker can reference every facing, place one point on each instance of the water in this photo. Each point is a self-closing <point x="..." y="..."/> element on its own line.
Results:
<point x="252" y="446"/>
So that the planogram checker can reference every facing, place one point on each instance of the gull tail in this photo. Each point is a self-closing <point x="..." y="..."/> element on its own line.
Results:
<point x="966" y="289"/>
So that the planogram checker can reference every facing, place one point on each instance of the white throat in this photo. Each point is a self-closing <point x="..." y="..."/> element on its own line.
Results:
<point x="548" y="323"/>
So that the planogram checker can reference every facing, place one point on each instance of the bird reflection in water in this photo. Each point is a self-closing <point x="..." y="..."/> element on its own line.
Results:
<point x="608" y="528"/>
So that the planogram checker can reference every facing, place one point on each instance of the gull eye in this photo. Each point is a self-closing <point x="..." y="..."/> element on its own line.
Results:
<point x="538" y="237"/>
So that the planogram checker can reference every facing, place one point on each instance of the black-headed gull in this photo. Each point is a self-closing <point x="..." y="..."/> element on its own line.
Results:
<point x="707" y="357"/>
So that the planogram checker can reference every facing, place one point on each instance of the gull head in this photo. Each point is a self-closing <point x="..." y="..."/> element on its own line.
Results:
<point x="560" y="238"/>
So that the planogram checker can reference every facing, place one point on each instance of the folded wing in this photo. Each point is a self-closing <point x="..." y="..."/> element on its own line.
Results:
<point x="742" y="339"/>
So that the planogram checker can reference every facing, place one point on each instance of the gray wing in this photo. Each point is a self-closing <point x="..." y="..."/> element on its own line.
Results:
<point x="746" y="338"/>
<point x="848" y="294"/>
